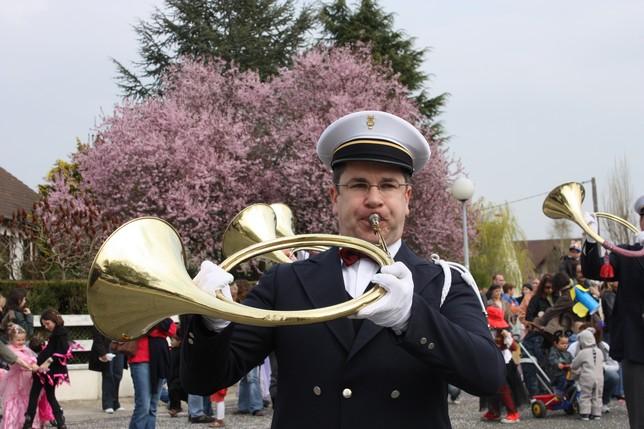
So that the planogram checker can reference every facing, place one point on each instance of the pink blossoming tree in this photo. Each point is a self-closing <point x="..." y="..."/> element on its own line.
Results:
<point x="220" y="139"/>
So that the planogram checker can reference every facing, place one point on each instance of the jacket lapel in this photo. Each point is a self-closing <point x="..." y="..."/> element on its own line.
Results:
<point x="369" y="330"/>
<point x="324" y="285"/>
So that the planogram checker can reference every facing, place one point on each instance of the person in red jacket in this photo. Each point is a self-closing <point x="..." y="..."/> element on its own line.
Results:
<point x="148" y="367"/>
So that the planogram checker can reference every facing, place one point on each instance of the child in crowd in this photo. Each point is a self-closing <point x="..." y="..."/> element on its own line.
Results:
<point x="55" y="354"/>
<point x="587" y="368"/>
<point x="17" y="383"/>
<point x="559" y="360"/>
<point x="512" y="393"/>
<point x="220" y="408"/>
<point x="45" y="414"/>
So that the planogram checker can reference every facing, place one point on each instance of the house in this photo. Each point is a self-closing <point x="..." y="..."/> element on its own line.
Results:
<point x="14" y="196"/>
<point x="546" y="254"/>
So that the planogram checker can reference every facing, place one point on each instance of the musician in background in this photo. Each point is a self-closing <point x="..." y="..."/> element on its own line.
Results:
<point x="627" y="323"/>
<point x="389" y="366"/>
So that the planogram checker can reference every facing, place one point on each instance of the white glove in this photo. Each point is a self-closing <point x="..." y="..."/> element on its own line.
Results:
<point x="639" y="238"/>
<point x="591" y="221"/>
<point x="210" y="279"/>
<point x="394" y="308"/>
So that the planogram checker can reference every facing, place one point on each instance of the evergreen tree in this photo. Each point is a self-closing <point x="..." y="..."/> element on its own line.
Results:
<point x="260" y="35"/>
<point x="370" y="24"/>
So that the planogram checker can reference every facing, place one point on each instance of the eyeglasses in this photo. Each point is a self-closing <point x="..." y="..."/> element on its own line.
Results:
<point x="363" y="188"/>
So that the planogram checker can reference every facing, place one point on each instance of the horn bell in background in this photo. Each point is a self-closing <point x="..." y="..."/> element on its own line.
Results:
<point x="564" y="202"/>
<point x="256" y="223"/>
<point x="284" y="221"/>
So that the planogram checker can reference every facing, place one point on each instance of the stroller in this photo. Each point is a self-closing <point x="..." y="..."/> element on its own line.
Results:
<point x="541" y="403"/>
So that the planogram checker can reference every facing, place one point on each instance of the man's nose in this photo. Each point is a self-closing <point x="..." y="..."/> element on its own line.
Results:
<point x="374" y="196"/>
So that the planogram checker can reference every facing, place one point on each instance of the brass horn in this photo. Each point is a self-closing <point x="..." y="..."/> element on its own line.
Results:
<point x="564" y="202"/>
<point x="138" y="278"/>
<point x="256" y="223"/>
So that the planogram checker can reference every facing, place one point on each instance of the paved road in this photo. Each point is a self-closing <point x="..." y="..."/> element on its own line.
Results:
<point x="87" y="415"/>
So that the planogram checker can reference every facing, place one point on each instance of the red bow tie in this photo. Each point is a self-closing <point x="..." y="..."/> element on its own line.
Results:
<point x="349" y="256"/>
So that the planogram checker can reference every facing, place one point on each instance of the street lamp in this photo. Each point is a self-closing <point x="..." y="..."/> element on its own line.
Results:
<point x="463" y="189"/>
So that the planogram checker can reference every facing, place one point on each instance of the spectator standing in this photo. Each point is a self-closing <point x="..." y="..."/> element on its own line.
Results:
<point x="511" y="394"/>
<point x="110" y="365"/>
<point x="526" y="291"/>
<point x="149" y="367"/>
<point x="496" y="293"/>
<point x="18" y="312"/>
<point x="176" y="393"/>
<point x="544" y="297"/>
<point x="55" y="356"/>
<point x="569" y="262"/>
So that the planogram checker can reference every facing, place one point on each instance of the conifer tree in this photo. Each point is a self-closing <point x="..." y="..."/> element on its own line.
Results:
<point x="370" y="24"/>
<point x="258" y="35"/>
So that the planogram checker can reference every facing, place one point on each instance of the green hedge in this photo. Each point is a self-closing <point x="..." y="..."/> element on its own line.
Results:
<point x="66" y="296"/>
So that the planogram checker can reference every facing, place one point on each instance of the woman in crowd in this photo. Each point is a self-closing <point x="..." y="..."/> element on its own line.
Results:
<point x="17" y="311"/>
<point x="544" y="297"/>
<point x="149" y="366"/>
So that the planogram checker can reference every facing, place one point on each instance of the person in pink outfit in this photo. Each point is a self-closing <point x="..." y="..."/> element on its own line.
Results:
<point x="17" y="382"/>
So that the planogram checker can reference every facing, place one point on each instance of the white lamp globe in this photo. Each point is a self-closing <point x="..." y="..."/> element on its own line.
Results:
<point x="463" y="189"/>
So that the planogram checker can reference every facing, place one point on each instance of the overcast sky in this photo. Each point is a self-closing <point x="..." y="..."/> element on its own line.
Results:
<point x="542" y="92"/>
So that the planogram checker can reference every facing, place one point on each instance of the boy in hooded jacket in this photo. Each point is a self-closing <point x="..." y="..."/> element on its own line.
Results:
<point x="587" y="368"/>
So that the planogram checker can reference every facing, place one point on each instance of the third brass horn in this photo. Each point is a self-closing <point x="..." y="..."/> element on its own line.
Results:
<point x="564" y="202"/>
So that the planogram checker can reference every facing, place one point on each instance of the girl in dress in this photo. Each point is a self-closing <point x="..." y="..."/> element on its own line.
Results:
<point x="17" y="382"/>
<point x="55" y="355"/>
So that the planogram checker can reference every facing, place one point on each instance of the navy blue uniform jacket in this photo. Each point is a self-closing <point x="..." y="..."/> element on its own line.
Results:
<point x="331" y="377"/>
<point x="627" y="322"/>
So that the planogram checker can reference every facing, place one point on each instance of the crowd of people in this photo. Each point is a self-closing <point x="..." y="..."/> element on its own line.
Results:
<point x="552" y="343"/>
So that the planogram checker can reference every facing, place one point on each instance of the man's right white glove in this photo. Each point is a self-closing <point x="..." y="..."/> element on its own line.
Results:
<point x="591" y="221"/>
<point x="394" y="308"/>
<point x="210" y="279"/>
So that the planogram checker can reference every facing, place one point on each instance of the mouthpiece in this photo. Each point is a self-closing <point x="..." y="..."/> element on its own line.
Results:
<point x="374" y="219"/>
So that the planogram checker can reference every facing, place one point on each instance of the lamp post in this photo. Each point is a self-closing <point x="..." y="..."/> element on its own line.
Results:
<point x="463" y="189"/>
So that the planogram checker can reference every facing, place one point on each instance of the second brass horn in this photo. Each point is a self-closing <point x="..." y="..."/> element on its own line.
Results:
<point x="138" y="278"/>
<point x="564" y="202"/>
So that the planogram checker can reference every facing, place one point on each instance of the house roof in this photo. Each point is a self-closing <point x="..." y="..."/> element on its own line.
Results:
<point x="539" y="250"/>
<point x="14" y="195"/>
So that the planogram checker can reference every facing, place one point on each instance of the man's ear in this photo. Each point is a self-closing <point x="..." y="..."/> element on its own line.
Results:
<point x="333" y="195"/>
<point x="407" y="196"/>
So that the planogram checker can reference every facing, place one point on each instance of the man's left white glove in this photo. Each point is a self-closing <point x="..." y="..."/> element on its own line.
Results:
<point x="210" y="279"/>
<point x="394" y="308"/>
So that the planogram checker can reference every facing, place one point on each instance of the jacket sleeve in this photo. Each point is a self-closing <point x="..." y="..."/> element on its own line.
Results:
<point x="7" y="354"/>
<point x="212" y="361"/>
<point x="98" y="343"/>
<point x="455" y="340"/>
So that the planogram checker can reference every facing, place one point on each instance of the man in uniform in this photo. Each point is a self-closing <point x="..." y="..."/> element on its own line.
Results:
<point x="627" y="322"/>
<point x="390" y="365"/>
